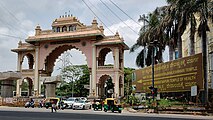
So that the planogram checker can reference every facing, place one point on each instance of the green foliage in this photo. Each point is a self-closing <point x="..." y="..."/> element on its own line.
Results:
<point x="76" y="76"/>
<point x="128" y="81"/>
<point x="24" y="86"/>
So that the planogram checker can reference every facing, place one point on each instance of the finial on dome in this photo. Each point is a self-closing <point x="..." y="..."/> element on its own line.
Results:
<point x="116" y="34"/>
<point x="20" y="42"/>
<point x="37" y="30"/>
<point x="101" y="27"/>
<point x="94" y="23"/>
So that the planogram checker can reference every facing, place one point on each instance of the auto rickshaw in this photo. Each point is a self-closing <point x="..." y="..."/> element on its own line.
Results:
<point x="97" y="104"/>
<point x="110" y="104"/>
<point x="47" y="102"/>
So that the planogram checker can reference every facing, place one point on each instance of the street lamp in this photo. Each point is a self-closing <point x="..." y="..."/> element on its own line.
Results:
<point x="153" y="44"/>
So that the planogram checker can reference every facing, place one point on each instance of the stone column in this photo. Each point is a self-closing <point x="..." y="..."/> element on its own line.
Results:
<point x="122" y="68"/>
<point x="50" y="89"/>
<point x="116" y="77"/>
<point x="94" y="64"/>
<point x="19" y="68"/>
<point x="90" y="83"/>
<point x="7" y="88"/>
<point x="36" y="74"/>
<point x="97" y="89"/>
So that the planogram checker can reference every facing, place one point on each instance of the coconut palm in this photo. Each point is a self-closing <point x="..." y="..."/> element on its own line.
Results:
<point x="181" y="13"/>
<point x="147" y="35"/>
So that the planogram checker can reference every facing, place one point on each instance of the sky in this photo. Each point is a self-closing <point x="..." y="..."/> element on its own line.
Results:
<point x="20" y="17"/>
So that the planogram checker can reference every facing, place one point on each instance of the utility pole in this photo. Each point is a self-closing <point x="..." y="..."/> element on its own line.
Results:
<point x="153" y="44"/>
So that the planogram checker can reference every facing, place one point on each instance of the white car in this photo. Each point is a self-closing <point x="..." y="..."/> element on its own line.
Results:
<point x="82" y="104"/>
<point x="70" y="101"/>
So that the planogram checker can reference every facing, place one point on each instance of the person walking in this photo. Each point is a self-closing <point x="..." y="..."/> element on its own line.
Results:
<point x="53" y="104"/>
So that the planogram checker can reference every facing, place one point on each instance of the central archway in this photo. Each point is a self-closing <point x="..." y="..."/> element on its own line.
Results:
<point x="54" y="55"/>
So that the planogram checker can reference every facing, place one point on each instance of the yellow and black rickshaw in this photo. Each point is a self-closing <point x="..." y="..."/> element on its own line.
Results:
<point x="111" y="105"/>
<point x="97" y="104"/>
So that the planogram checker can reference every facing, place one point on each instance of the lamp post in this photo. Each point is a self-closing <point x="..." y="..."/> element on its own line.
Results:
<point x="153" y="44"/>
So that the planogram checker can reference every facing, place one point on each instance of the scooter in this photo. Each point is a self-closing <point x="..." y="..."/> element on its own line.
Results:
<point x="63" y="106"/>
<point x="29" y="104"/>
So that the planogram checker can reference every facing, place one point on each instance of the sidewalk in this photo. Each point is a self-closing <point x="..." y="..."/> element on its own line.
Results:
<point x="168" y="112"/>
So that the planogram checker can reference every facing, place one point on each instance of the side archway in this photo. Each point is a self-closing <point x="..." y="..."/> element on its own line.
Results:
<point x="105" y="86"/>
<point x="30" y="60"/>
<point x="102" y="55"/>
<point x="27" y="87"/>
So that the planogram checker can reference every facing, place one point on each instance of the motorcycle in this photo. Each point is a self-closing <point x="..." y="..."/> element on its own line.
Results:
<point x="29" y="104"/>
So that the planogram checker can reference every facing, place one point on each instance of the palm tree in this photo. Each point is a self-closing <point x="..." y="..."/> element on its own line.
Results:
<point x="186" y="10"/>
<point x="147" y="35"/>
<point x="181" y="13"/>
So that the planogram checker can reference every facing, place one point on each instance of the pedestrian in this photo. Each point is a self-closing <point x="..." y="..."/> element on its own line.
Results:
<point x="41" y="103"/>
<point x="53" y="104"/>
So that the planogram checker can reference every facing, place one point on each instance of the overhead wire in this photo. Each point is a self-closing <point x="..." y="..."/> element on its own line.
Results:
<point x="119" y="17"/>
<point x="100" y="12"/>
<point x="11" y="36"/>
<point x="97" y="16"/>
<point x="14" y="17"/>
<point x="93" y="6"/>
<point x="124" y="12"/>
<point x="9" y="26"/>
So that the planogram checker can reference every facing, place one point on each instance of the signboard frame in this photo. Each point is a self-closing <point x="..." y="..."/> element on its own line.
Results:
<point x="173" y="76"/>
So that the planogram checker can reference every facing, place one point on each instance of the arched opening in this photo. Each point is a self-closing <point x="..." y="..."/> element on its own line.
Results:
<point x="105" y="86"/>
<point x="72" y="28"/>
<point x="28" y="61"/>
<point x="71" y="64"/>
<point x="27" y="87"/>
<point x="58" y="29"/>
<point x="105" y="57"/>
<point x="69" y="57"/>
<point x="64" y="28"/>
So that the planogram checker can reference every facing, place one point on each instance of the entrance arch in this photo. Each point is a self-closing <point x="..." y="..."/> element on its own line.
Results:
<point x="50" y="59"/>
<point x="29" y="86"/>
<point x="67" y="33"/>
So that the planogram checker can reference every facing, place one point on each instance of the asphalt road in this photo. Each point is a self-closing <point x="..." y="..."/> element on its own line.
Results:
<point x="12" y="113"/>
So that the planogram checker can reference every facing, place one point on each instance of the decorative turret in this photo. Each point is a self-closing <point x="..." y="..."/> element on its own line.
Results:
<point x="101" y="28"/>
<point x="117" y="35"/>
<point x="94" y="23"/>
<point x="19" y="43"/>
<point x="37" y="30"/>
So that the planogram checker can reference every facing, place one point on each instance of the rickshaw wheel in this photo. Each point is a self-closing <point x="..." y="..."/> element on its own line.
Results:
<point x="119" y="111"/>
<point x="105" y="110"/>
<point x="112" y="110"/>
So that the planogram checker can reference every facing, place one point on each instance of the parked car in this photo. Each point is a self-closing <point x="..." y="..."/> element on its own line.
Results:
<point x="82" y="104"/>
<point x="70" y="101"/>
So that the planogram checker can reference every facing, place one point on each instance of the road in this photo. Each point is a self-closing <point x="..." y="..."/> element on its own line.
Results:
<point x="16" y="113"/>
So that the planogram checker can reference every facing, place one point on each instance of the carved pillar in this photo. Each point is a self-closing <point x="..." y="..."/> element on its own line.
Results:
<point x="122" y="68"/>
<point x="94" y="64"/>
<point x="90" y="82"/>
<point x="19" y="68"/>
<point x="116" y="77"/>
<point x="36" y="77"/>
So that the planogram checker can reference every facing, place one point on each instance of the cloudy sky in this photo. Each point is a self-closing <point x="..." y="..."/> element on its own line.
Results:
<point x="19" y="18"/>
